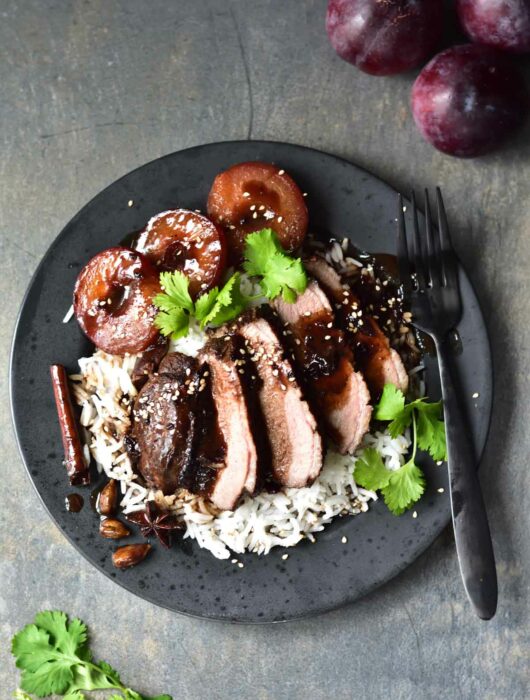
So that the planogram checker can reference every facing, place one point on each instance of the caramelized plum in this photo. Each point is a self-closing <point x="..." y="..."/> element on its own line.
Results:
<point x="187" y="241"/>
<point x="468" y="99"/>
<point x="252" y="196"/>
<point x="113" y="301"/>
<point x="504" y="24"/>
<point x="383" y="37"/>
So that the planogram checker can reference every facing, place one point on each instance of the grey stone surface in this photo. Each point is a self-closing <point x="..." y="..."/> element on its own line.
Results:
<point x="90" y="90"/>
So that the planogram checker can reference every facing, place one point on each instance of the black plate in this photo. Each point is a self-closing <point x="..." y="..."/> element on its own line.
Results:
<point x="344" y="200"/>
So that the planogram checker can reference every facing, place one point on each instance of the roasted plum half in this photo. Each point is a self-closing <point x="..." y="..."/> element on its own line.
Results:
<point x="187" y="241"/>
<point x="113" y="301"/>
<point x="252" y="196"/>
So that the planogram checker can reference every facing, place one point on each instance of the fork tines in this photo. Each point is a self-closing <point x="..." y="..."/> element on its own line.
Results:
<point x="428" y="261"/>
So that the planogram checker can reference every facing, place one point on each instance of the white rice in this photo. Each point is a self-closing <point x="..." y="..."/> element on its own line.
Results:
<point x="105" y="392"/>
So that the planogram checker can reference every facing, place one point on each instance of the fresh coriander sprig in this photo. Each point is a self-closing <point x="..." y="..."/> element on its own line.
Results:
<point x="277" y="273"/>
<point x="55" y="659"/>
<point x="213" y="308"/>
<point x="401" y="488"/>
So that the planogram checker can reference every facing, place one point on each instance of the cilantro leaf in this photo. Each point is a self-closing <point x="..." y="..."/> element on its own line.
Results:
<point x="174" y="323"/>
<point x="431" y="429"/>
<point x="205" y="303"/>
<point x="279" y="272"/>
<point x="52" y="677"/>
<point x="230" y="302"/>
<point x="68" y="637"/>
<point x="176" y="286"/>
<point x="405" y="487"/>
<point x="401" y="422"/>
<point x="54" y="657"/>
<point x="391" y="403"/>
<point x="370" y="471"/>
<point x="47" y="652"/>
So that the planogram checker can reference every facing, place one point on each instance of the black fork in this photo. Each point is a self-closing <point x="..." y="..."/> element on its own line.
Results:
<point x="429" y="274"/>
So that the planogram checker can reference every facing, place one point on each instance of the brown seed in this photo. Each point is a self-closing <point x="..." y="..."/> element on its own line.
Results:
<point x="130" y="555"/>
<point x="113" y="529"/>
<point x="108" y="498"/>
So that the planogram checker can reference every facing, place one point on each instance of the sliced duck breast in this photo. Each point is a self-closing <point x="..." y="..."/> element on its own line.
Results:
<point x="239" y="470"/>
<point x="296" y="446"/>
<point x="336" y="392"/>
<point x="379" y="363"/>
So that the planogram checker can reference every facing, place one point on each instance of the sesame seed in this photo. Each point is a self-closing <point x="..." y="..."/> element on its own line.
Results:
<point x="439" y="463"/>
<point x="130" y="203"/>
<point x="261" y="207"/>
<point x="246" y="194"/>
<point x="240" y="564"/>
<point x="281" y="172"/>
<point x="252" y="207"/>
<point x="441" y="490"/>
<point x="327" y="337"/>
<point x="285" y="556"/>
<point x="280" y="219"/>
<point x="307" y="313"/>
<point x="415" y="514"/>
<point x="344" y="540"/>
<point x="476" y="395"/>
<point x="234" y="561"/>
<point x="304" y="194"/>
<point x="255" y="215"/>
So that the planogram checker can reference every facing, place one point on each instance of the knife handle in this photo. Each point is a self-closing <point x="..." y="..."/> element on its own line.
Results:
<point x="470" y="522"/>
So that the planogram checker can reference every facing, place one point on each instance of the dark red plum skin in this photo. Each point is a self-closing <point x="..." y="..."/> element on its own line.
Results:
<point x="504" y="24"/>
<point x="384" y="37"/>
<point x="468" y="99"/>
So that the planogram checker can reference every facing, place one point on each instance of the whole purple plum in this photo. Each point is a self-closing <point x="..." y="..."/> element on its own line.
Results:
<point x="468" y="99"/>
<point x="383" y="37"/>
<point x="504" y="24"/>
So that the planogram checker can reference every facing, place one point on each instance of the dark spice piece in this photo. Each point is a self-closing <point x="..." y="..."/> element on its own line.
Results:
<point x="130" y="555"/>
<point x="77" y="469"/>
<point x="156" y="522"/>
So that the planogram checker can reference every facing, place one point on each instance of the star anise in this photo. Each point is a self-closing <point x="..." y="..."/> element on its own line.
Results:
<point x="153" y="521"/>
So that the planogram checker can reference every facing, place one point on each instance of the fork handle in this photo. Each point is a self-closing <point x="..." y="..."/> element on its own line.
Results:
<point x="470" y="522"/>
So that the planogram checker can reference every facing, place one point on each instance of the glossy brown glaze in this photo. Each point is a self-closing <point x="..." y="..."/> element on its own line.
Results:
<point x="73" y="502"/>
<point x="76" y="467"/>
<point x="369" y="310"/>
<point x="113" y="298"/>
<point x="175" y="429"/>
<point x="187" y="241"/>
<point x="323" y="362"/>
<point x="251" y="196"/>
<point x="147" y="363"/>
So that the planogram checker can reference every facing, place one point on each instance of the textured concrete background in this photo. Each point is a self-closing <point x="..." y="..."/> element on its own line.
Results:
<point x="91" y="89"/>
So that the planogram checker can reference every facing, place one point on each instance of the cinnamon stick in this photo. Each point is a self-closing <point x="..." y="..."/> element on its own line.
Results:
<point x="74" y="460"/>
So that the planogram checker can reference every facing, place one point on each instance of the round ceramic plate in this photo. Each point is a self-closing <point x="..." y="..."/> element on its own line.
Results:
<point x="343" y="200"/>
